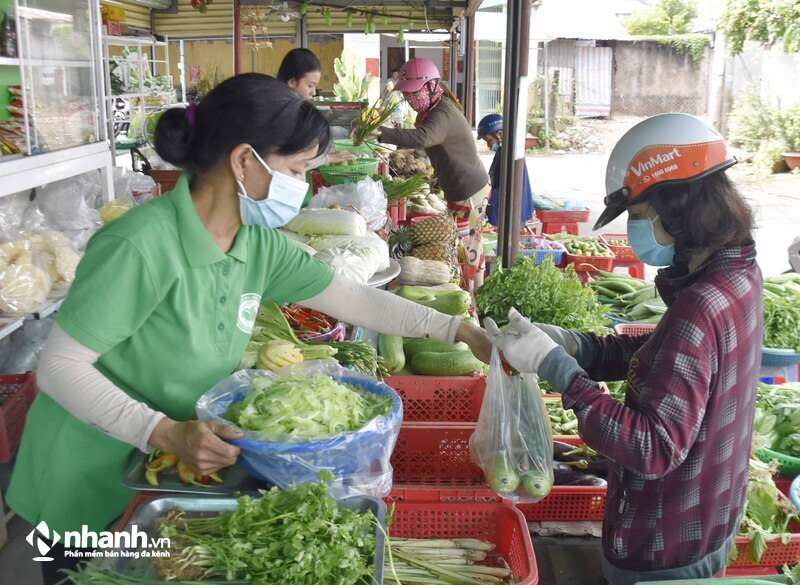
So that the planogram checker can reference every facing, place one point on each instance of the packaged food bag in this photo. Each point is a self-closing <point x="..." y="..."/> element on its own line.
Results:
<point x="512" y="442"/>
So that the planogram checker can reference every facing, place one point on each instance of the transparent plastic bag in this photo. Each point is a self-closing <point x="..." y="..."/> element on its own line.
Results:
<point x="57" y="255"/>
<point x="27" y="347"/>
<point x="512" y="442"/>
<point x="366" y="197"/>
<point x="12" y="210"/>
<point x="69" y="206"/>
<point x="359" y="460"/>
<point x="24" y="278"/>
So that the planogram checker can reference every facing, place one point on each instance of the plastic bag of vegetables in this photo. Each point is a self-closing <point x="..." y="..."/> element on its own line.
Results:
<point x="313" y="416"/>
<point x="512" y="441"/>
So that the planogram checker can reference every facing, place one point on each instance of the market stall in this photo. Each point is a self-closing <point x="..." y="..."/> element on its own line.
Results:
<point x="373" y="458"/>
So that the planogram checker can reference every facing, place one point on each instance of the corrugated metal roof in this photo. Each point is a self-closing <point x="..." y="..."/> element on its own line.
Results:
<point x="218" y="21"/>
<point x="577" y="19"/>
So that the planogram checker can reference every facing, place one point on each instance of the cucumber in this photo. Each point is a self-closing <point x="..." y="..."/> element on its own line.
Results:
<point x="390" y="348"/>
<point x="456" y="303"/>
<point x="454" y="363"/>
<point x="415" y="346"/>
<point x="426" y="293"/>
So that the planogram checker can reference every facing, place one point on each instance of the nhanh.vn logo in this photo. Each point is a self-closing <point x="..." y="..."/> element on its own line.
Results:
<point x="108" y="544"/>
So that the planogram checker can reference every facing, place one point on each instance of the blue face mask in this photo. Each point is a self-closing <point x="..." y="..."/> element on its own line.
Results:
<point x="284" y="199"/>
<point x="495" y="147"/>
<point x="642" y="238"/>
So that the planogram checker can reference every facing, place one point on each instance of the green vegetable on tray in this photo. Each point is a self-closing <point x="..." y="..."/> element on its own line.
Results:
<point x="299" y="408"/>
<point x="543" y="294"/>
<point x="295" y="536"/>
<point x="630" y="299"/>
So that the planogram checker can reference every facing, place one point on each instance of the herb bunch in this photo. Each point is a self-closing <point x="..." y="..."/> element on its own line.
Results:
<point x="543" y="294"/>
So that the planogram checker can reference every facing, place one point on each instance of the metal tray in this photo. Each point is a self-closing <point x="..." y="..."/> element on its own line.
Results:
<point x="234" y="480"/>
<point x="146" y="516"/>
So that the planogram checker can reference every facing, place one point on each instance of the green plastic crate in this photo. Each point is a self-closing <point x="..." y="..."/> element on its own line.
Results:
<point x="353" y="173"/>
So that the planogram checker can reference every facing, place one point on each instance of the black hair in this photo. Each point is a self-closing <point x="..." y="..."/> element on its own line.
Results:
<point x="250" y="109"/>
<point x="296" y="64"/>
<point x="704" y="216"/>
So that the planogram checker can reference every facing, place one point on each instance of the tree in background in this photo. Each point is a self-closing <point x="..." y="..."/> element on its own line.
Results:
<point x="768" y="22"/>
<point x="666" y="17"/>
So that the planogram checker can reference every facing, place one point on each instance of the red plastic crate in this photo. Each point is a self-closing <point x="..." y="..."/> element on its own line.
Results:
<point x="563" y="215"/>
<point x="777" y="553"/>
<point x="594" y="262"/>
<point x="498" y="523"/>
<point x="435" y="454"/>
<point x="623" y="253"/>
<point x="397" y="211"/>
<point x="17" y="392"/>
<point x="439" y="399"/>
<point x="432" y="464"/>
<point x="317" y="182"/>
<point x="634" y="328"/>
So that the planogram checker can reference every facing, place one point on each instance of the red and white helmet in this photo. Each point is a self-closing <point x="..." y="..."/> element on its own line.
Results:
<point x="416" y="73"/>
<point x="667" y="149"/>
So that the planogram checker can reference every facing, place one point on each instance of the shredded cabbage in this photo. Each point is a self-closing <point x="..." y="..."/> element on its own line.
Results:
<point x="300" y="408"/>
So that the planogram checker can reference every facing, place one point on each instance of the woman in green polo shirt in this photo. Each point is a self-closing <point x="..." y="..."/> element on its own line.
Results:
<point x="164" y="302"/>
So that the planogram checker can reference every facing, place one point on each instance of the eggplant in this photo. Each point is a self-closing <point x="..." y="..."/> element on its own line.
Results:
<point x="565" y="475"/>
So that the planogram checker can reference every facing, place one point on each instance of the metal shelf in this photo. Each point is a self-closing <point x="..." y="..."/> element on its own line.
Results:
<point x="10" y="324"/>
<point x="27" y="172"/>
<point x="12" y="61"/>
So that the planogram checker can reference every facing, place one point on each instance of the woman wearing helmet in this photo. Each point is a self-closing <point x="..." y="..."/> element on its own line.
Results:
<point x="490" y="129"/>
<point x="680" y="443"/>
<point x="445" y="135"/>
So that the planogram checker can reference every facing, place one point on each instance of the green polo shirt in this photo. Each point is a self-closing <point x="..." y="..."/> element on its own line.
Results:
<point x="170" y="314"/>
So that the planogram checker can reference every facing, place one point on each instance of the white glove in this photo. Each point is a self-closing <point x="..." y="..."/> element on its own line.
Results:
<point x="523" y="344"/>
<point x="563" y="337"/>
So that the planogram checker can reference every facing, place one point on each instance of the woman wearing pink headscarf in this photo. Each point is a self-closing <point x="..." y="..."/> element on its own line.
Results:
<point x="445" y="135"/>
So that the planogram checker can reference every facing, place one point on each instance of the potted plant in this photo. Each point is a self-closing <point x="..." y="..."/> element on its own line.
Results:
<point x="790" y="133"/>
<point x="534" y="126"/>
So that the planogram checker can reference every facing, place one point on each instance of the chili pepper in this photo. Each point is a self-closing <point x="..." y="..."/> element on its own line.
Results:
<point x="163" y="462"/>
<point x="151" y="476"/>
<point x="215" y="476"/>
<point x="189" y="476"/>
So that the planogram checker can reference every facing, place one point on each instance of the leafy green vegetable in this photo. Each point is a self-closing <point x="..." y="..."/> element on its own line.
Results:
<point x="782" y="312"/>
<point x="767" y="512"/>
<point x="777" y="420"/>
<point x="299" y="408"/>
<point x="295" y="536"/>
<point x="543" y="294"/>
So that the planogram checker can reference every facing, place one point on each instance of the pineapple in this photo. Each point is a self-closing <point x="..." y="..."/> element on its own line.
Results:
<point x="439" y="228"/>
<point x="400" y="243"/>
<point x="440" y="252"/>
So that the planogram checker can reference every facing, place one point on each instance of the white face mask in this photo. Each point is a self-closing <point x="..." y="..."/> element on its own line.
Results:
<point x="284" y="199"/>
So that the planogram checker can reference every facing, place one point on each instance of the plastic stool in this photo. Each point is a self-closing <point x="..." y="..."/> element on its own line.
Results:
<point x="570" y="227"/>
<point x="635" y="267"/>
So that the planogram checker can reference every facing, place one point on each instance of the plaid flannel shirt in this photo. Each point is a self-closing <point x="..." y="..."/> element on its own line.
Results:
<point x="681" y="441"/>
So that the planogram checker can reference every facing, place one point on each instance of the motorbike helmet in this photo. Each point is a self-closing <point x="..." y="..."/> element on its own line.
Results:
<point x="416" y="73"/>
<point x="490" y="124"/>
<point x="667" y="149"/>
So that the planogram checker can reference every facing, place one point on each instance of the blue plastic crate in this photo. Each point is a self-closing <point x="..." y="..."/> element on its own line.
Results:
<point x="779" y="357"/>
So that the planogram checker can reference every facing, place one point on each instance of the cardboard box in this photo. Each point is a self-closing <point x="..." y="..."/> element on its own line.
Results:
<point x="113" y="28"/>
<point x="113" y="13"/>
